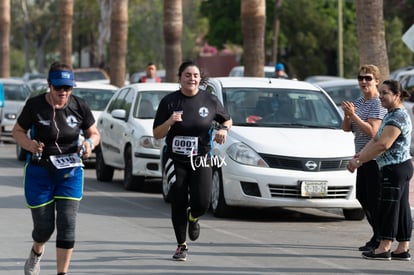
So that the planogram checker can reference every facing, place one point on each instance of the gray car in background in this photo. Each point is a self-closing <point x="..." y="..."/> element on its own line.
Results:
<point x="15" y="93"/>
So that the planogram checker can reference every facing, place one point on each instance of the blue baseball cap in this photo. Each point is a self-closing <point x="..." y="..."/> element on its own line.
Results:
<point x="61" y="78"/>
<point x="280" y="67"/>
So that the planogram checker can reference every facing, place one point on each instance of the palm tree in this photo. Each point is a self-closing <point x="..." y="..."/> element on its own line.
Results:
<point x="66" y="20"/>
<point x="173" y="28"/>
<point x="253" y="20"/>
<point x="371" y="35"/>
<point x="5" y="38"/>
<point x="118" y="44"/>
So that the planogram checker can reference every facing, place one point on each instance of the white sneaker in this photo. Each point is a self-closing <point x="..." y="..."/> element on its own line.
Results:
<point x="32" y="264"/>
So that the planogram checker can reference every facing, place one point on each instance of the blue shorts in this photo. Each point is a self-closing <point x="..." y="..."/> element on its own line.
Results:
<point x="41" y="187"/>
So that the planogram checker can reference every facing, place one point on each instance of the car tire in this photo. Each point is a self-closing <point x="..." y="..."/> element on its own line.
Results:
<point x="21" y="153"/>
<point x="131" y="182"/>
<point x="218" y="202"/>
<point x="103" y="172"/>
<point x="353" y="214"/>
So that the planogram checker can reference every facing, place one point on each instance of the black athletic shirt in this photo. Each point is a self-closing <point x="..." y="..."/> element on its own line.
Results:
<point x="38" y="116"/>
<point x="199" y="112"/>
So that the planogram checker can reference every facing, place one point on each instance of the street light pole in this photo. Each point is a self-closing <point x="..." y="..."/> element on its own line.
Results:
<point x="340" y="41"/>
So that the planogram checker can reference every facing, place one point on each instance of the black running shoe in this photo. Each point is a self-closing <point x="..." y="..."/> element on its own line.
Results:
<point x="193" y="229"/>
<point x="180" y="253"/>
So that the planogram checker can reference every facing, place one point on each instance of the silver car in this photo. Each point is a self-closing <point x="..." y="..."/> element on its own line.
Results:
<point x="15" y="93"/>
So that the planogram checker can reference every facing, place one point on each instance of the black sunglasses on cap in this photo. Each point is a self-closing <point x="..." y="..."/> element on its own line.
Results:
<point x="366" y="77"/>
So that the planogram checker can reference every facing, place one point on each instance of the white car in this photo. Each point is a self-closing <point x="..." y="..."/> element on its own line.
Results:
<point x="286" y="148"/>
<point x="127" y="142"/>
<point x="15" y="93"/>
<point x="238" y="71"/>
<point x="96" y="95"/>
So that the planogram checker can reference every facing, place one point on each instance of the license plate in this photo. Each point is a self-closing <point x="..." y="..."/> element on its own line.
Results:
<point x="8" y="128"/>
<point x="314" y="188"/>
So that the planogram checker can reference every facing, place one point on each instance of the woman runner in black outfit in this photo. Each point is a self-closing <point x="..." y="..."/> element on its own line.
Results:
<point x="186" y="117"/>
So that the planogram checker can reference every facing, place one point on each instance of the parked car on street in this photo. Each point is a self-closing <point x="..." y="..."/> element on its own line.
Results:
<point x="286" y="148"/>
<point x="90" y="74"/>
<point x="341" y="90"/>
<point x="407" y="82"/>
<point x="127" y="142"/>
<point x="320" y="78"/>
<point x="95" y="94"/>
<point x="398" y="73"/>
<point x="238" y="71"/>
<point x="15" y="93"/>
<point x="37" y="86"/>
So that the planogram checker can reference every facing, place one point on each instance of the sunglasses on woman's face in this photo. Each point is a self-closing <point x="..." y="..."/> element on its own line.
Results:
<point x="62" y="88"/>
<point x="366" y="77"/>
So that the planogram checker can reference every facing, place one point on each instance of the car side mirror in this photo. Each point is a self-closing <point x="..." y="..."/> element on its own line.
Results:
<point x="119" y="114"/>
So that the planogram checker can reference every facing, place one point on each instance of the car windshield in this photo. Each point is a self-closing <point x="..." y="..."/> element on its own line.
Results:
<point x="147" y="104"/>
<point x="280" y="108"/>
<point x="15" y="92"/>
<point x="96" y="98"/>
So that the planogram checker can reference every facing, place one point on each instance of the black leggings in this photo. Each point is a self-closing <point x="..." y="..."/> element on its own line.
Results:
<point x="368" y="192"/>
<point x="395" y="211"/>
<point x="44" y="222"/>
<point x="192" y="188"/>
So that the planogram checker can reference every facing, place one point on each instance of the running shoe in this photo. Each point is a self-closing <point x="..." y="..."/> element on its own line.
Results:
<point x="180" y="253"/>
<point x="32" y="264"/>
<point x="193" y="228"/>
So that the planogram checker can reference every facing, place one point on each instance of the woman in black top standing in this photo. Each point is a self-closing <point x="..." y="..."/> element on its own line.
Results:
<point x="186" y="118"/>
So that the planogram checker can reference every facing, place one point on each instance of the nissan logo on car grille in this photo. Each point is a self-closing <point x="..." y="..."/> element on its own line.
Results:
<point x="311" y="165"/>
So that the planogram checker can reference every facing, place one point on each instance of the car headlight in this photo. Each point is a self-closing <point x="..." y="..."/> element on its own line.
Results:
<point x="151" y="142"/>
<point x="11" y="116"/>
<point x="243" y="154"/>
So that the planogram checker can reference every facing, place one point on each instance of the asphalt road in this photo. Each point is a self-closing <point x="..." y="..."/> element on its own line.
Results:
<point x="122" y="232"/>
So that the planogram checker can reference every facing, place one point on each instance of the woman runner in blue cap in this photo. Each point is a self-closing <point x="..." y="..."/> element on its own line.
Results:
<point x="53" y="180"/>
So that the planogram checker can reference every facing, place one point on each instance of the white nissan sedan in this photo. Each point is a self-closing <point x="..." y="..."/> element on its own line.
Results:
<point x="286" y="148"/>
<point x="127" y="142"/>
